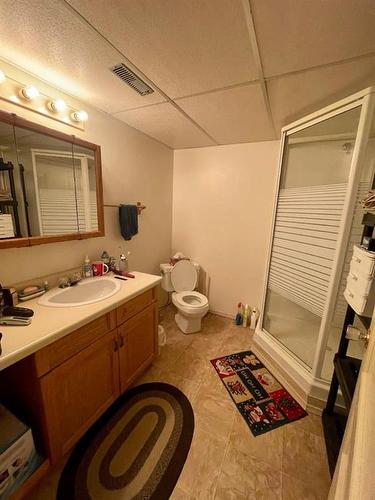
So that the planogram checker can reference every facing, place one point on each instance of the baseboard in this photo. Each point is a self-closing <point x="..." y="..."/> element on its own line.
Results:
<point x="283" y="376"/>
<point x="222" y="314"/>
<point x="310" y="392"/>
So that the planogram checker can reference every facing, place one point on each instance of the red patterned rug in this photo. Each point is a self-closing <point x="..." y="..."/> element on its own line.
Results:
<point x="260" y="398"/>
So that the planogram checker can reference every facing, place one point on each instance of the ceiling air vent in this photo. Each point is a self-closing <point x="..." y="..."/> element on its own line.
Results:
<point x="131" y="79"/>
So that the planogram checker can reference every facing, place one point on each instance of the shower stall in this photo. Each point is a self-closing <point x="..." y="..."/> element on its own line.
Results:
<point x="326" y="167"/>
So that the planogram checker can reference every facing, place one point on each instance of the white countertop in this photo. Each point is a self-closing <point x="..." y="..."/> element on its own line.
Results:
<point x="51" y="323"/>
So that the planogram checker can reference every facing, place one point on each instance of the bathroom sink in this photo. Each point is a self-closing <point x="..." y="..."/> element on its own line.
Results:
<point x="85" y="292"/>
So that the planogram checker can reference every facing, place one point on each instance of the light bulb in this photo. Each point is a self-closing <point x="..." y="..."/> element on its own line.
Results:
<point x="2" y="76"/>
<point x="79" y="116"/>
<point x="30" y="92"/>
<point x="57" y="105"/>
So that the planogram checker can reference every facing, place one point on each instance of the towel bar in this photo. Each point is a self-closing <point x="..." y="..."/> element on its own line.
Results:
<point x="140" y="206"/>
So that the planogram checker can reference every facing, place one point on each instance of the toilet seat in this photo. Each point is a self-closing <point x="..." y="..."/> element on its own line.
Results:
<point x="191" y="306"/>
<point x="191" y="299"/>
<point x="184" y="276"/>
<point x="193" y="310"/>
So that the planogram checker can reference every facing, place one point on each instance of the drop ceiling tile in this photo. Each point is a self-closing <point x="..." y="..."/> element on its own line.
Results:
<point x="294" y="96"/>
<point x="231" y="116"/>
<point x="294" y="35"/>
<point x="185" y="46"/>
<point x="48" y="40"/>
<point x="166" y="124"/>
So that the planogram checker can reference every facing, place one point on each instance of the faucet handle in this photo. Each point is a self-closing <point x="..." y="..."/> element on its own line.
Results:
<point x="75" y="278"/>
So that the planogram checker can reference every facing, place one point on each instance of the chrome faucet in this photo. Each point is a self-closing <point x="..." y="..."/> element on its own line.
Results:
<point x="65" y="281"/>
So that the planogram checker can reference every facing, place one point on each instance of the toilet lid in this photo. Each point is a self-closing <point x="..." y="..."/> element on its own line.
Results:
<point x="184" y="276"/>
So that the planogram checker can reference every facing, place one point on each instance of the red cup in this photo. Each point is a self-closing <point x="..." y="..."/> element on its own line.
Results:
<point x="99" y="268"/>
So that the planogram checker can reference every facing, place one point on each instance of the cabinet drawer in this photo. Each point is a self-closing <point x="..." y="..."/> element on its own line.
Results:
<point x="55" y="354"/>
<point x="134" y="306"/>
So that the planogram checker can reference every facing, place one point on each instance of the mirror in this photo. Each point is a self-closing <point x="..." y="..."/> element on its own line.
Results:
<point x="84" y="167"/>
<point x="50" y="186"/>
<point x="9" y="221"/>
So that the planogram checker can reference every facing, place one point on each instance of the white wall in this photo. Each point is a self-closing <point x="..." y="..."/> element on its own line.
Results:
<point x="135" y="168"/>
<point x="222" y="209"/>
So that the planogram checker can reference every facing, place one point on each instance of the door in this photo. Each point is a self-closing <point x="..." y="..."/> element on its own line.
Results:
<point x="315" y="173"/>
<point x="78" y="391"/>
<point x="354" y="477"/>
<point x="137" y="345"/>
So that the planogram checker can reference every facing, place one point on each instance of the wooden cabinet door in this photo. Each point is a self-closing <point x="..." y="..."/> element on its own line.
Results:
<point x="138" y="344"/>
<point x="78" y="391"/>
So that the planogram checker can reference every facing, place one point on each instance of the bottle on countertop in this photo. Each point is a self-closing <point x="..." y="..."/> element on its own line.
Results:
<point x="112" y="264"/>
<point x="87" y="269"/>
<point x="105" y="258"/>
<point x="123" y="263"/>
<point x="123" y="266"/>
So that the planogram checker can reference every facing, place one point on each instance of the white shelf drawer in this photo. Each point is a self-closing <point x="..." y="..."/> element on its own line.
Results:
<point x="363" y="262"/>
<point x="360" y="282"/>
<point x="357" y="302"/>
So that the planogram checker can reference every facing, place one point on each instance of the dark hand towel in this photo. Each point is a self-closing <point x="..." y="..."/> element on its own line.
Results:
<point x="128" y="221"/>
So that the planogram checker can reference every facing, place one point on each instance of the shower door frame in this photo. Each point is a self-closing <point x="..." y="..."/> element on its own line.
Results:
<point x="311" y="389"/>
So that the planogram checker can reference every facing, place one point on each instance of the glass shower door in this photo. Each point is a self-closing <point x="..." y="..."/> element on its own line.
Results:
<point x="314" y="176"/>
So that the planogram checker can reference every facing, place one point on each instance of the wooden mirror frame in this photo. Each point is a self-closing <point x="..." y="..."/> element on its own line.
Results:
<point x="17" y="121"/>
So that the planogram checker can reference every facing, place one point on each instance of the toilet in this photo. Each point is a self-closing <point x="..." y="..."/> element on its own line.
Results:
<point x="181" y="279"/>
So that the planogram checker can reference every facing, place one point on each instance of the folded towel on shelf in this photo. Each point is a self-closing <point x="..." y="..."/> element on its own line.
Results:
<point x="128" y="215"/>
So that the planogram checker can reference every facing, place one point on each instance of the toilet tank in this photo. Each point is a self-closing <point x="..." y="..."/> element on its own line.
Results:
<point x="165" y="271"/>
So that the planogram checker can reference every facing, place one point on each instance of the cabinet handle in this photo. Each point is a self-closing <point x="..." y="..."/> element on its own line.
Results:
<point x="121" y="341"/>
<point x="115" y="345"/>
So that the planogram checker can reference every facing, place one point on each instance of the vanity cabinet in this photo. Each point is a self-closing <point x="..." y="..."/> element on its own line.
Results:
<point x="65" y="387"/>
<point x="77" y="392"/>
<point x="137" y="345"/>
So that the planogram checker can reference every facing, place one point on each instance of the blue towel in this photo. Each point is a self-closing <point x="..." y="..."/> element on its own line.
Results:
<point x="128" y="221"/>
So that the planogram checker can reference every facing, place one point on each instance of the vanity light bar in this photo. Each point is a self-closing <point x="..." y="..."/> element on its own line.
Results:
<point x="80" y="116"/>
<point x="29" y="96"/>
<point x="29" y="93"/>
<point x="57" y="105"/>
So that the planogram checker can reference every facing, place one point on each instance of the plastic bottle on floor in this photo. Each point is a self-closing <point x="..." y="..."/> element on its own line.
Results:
<point x="246" y="315"/>
<point x="238" y="319"/>
<point x="254" y="318"/>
